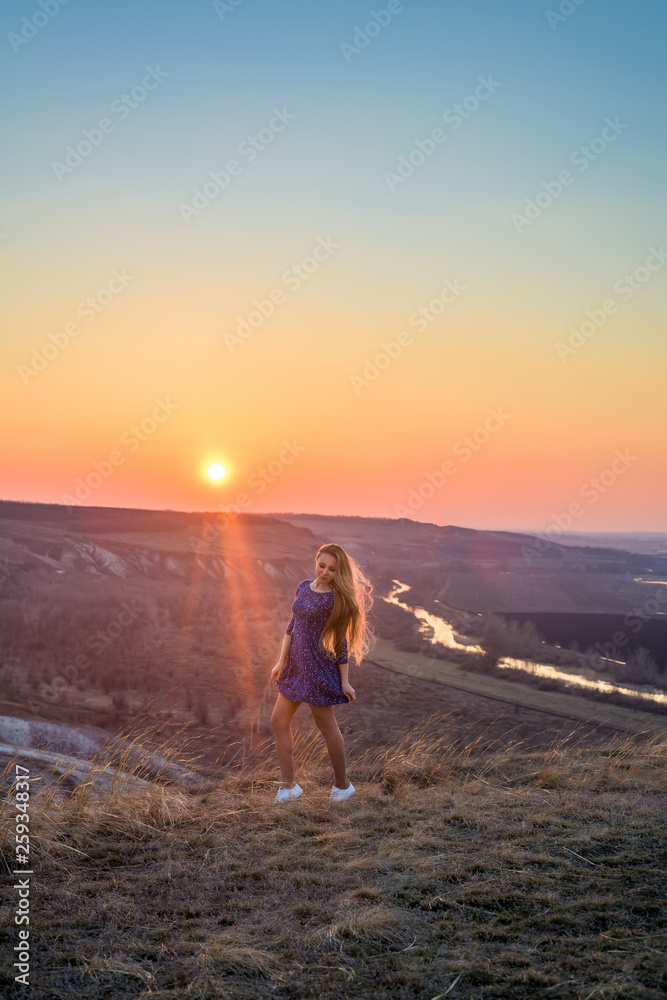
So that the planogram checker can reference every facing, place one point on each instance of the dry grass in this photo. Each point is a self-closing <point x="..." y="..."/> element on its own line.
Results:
<point x="503" y="873"/>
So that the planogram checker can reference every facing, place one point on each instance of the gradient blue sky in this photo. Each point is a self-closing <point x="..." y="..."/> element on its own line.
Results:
<point x="324" y="174"/>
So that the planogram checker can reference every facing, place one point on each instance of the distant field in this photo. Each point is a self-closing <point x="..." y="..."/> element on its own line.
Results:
<point x="566" y="706"/>
<point x="653" y="543"/>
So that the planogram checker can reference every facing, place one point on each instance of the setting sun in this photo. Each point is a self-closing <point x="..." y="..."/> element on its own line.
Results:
<point x="216" y="471"/>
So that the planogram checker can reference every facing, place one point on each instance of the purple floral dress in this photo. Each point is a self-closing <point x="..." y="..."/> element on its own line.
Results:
<point x="308" y="675"/>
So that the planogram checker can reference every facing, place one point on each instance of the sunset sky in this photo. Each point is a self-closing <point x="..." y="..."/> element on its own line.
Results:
<point x="403" y="259"/>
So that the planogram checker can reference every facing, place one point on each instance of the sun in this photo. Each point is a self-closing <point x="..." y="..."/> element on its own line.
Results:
<point x="216" y="471"/>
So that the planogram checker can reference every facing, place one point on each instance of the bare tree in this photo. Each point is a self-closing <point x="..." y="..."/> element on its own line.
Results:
<point x="639" y="668"/>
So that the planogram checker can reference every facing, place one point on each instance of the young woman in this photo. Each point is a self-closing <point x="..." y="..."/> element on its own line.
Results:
<point x="313" y="665"/>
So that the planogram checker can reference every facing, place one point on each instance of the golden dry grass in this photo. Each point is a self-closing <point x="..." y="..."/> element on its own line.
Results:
<point x="503" y="873"/>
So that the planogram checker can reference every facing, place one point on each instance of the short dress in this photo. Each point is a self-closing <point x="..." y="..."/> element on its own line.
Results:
<point x="308" y="675"/>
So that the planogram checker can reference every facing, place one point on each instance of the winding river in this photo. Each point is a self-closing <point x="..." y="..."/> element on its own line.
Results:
<point x="443" y="634"/>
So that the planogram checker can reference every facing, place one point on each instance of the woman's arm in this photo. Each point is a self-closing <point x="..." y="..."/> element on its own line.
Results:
<point x="280" y="665"/>
<point x="287" y="638"/>
<point x="346" y="687"/>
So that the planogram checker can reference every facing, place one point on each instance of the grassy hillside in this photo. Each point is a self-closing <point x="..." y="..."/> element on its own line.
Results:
<point x="513" y="692"/>
<point x="454" y="871"/>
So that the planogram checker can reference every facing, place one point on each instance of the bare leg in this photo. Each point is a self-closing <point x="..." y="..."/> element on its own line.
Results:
<point x="325" y="720"/>
<point x="281" y="723"/>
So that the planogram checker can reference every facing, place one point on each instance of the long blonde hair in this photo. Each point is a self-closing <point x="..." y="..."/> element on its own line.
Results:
<point x="352" y="603"/>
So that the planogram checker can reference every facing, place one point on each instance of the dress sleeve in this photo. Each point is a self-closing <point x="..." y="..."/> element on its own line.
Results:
<point x="288" y="630"/>
<point x="343" y="658"/>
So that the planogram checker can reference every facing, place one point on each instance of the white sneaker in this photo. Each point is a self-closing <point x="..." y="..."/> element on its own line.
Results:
<point x="286" y="794"/>
<point x="338" y="794"/>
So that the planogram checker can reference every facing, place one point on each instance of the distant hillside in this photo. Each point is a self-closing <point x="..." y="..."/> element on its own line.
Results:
<point x="157" y="544"/>
<point x="471" y="569"/>
<point x="107" y="613"/>
<point x="110" y="617"/>
<point x="498" y="571"/>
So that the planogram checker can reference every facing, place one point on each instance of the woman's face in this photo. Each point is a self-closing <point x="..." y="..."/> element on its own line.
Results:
<point x="325" y="568"/>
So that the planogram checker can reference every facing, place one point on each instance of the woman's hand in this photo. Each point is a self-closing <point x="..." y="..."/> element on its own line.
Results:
<point x="348" y="690"/>
<point x="277" y="671"/>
